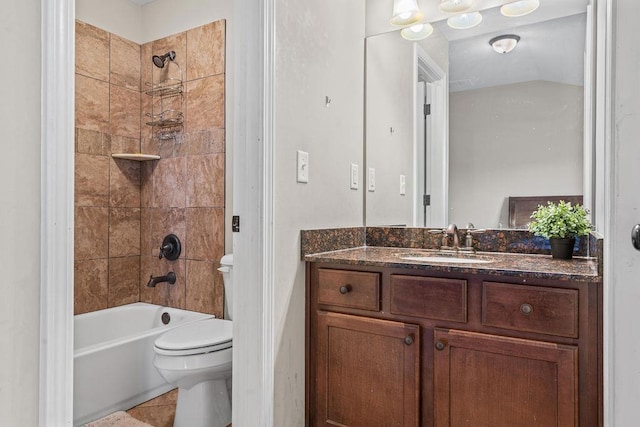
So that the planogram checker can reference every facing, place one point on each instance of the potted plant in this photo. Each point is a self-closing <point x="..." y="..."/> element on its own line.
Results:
<point x="560" y="223"/>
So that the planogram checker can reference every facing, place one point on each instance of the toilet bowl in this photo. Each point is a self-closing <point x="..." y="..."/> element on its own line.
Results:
<point x="196" y="358"/>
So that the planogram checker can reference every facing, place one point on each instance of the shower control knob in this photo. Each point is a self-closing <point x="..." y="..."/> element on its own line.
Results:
<point x="170" y="248"/>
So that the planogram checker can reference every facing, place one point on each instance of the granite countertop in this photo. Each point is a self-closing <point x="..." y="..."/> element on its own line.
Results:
<point x="502" y="264"/>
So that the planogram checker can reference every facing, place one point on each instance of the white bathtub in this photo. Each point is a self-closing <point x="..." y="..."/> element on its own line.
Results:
<point x="113" y="357"/>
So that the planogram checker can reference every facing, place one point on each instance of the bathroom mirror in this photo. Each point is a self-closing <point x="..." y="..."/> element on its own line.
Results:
<point x="501" y="125"/>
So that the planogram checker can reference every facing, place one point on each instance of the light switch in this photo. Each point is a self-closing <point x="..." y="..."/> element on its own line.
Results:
<point x="372" y="180"/>
<point x="355" y="177"/>
<point x="303" y="167"/>
<point x="403" y="185"/>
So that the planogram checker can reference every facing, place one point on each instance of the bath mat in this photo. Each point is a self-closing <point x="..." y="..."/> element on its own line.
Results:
<point x="118" y="419"/>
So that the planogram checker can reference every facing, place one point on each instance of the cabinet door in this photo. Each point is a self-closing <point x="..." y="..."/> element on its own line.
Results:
<point x="367" y="372"/>
<point x="486" y="380"/>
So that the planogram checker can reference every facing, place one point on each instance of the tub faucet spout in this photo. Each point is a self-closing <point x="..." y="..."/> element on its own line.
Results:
<point x="169" y="278"/>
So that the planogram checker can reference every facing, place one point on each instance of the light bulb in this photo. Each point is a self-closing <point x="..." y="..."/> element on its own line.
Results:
<point x="465" y="20"/>
<point x="405" y="12"/>
<point x="519" y="8"/>
<point x="417" y="32"/>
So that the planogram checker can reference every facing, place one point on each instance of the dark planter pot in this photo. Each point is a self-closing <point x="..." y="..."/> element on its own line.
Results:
<point x="562" y="248"/>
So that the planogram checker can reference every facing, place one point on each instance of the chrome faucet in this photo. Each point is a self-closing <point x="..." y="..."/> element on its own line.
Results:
<point x="169" y="278"/>
<point x="452" y="230"/>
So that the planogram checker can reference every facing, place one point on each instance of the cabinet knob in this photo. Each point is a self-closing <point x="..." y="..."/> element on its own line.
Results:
<point x="440" y="345"/>
<point x="345" y="289"/>
<point x="526" y="309"/>
<point x="408" y="340"/>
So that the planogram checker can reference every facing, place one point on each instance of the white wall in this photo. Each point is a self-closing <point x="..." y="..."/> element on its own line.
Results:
<point x="20" y="213"/>
<point x="319" y="52"/>
<point x="514" y="140"/>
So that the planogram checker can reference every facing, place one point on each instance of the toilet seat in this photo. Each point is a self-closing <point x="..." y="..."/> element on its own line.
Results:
<point x="205" y="336"/>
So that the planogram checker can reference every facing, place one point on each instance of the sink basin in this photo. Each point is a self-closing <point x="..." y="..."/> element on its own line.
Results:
<point x="446" y="259"/>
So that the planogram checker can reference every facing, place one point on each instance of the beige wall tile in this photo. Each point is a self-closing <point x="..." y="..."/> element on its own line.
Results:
<point x="92" y="142"/>
<point x="166" y="221"/>
<point x="92" y="51"/>
<point x="124" y="280"/>
<point x="123" y="144"/>
<point x="125" y="63"/>
<point x="205" y="181"/>
<point x="169" y="183"/>
<point x="124" y="112"/>
<point x="92" y="104"/>
<point x="91" y="239"/>
<point x="146" y="65"/>
<point x="124" y="232"/>
<point x="91" y="180"/>
<point x="124" y="185"/>
<point x="90" y="283"/>
<point x="206" y="50"/>
<point x="205" y="234"/>
<point x="177" y="292"/>
<point x="146" y="183"/>
<point x="205" y="291"/>
<point x="208" y="141"/>
<point x="205" y="103"/>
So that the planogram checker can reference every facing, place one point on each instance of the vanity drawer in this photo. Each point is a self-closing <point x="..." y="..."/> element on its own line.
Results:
<point x="539" y="309"/>
<point x="429" y="297"/>
<point x="353" y="289"/>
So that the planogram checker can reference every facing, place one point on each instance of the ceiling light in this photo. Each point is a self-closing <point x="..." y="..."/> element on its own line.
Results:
<point x="465" y="20"/>
<point x="505" y="43"/>
<point x="405" y="12"/>
<point x="519" y="8"/>
<point x="417" y="32"/>
<point x="455" y="6"/>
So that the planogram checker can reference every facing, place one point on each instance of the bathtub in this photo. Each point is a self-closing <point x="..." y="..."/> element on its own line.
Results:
<point x="113" y="357"/>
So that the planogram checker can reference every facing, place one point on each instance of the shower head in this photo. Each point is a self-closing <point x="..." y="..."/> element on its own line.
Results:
<point x="159" y="61"/>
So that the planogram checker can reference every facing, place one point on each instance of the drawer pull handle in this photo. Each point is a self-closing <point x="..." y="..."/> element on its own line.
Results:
<point x="345" y="289"/>
<point x="440" y="345"/>
<point x="408" y="340"/>
<point x="526" y="309"/>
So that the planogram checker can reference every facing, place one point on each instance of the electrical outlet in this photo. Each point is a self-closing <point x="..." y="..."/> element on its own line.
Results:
<point x="403" y="185"/>
<point x="302" y="174"/>
<point x="372" y="180"/>
<point x="355" y="177"/>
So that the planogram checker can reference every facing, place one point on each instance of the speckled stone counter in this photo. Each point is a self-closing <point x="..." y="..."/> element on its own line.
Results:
<point x="502" y="264"/>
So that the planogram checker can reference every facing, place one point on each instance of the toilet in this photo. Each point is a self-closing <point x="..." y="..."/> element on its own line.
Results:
<point x="196" y="358"/>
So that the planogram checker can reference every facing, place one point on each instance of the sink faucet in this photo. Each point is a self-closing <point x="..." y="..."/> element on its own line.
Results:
<point x="452" y="230"/>
<point x="169" y="278"/>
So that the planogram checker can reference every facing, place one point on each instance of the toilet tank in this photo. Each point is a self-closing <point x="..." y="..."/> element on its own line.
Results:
<point x="226" y="268"/>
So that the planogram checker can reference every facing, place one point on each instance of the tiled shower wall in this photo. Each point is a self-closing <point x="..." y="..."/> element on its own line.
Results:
<point x="123" y="208"/>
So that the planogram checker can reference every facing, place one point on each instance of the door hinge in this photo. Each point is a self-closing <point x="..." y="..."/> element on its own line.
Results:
<point x="235" y="223"/>
<point x="427" y="109"/>
<point x="426" y="200"/>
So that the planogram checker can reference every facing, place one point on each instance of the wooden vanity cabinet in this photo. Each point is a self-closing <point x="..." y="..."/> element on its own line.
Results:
<point x="395" y="347"/>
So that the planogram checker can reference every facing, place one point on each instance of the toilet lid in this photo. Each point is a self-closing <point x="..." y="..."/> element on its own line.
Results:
<point x="203" y="336"/>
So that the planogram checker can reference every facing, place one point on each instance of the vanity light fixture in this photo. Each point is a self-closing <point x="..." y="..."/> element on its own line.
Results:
<point x="417" y="32"/>
<point x="505" y="43"/>
<point x="405" y="12"/>
<point x="519" y="8"/>
<point x="465" y="20"/>
<point x="455" y="6"/>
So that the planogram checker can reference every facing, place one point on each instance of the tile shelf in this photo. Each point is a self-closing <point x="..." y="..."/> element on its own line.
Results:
<point x="138" y="157"/>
